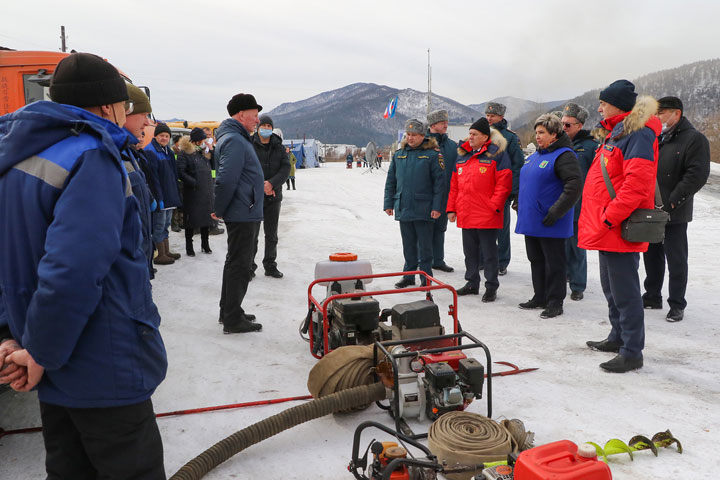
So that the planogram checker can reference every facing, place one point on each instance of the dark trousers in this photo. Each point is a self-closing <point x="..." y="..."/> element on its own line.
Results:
<point x="238" y="269"/>
<point x="675" y="250"/>
<point x="621" y="286"/>
<point x="481" y="243"/>
<point x="503" y="240"/>
<point x="204" y="238"/>
<point x="438" y="241"/>
<point x="576" y="262"/>
<point x="102" y="443"/>
<point x="290" y="179"/>
<point x="271" y="217"/>
<point x="417" y="246"/>
<point x="548" y="266"/>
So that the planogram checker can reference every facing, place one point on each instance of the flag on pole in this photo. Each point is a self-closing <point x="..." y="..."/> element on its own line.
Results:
<point x="390" y="109"/>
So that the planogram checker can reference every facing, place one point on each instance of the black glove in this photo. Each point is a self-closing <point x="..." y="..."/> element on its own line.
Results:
<point x="550" y="218"/>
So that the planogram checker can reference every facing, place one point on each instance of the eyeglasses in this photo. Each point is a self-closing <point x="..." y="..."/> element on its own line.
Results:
<point x="129" y="107"/>
<point x="568" y="125"/>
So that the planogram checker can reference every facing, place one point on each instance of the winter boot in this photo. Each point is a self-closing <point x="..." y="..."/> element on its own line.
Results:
<point x="162" y="258"/>
<point x="174" y="256"/>
<point x="189" y="250"/>
<point x="204" y="240"/>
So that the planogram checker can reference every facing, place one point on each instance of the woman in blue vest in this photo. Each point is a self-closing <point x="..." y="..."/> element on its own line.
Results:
<point x="550" y="184"/>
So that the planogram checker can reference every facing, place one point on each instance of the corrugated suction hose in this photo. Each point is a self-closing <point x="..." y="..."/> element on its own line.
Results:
<point x="347" y="398"/>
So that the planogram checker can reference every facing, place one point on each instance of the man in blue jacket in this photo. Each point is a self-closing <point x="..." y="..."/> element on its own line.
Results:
<point x="239" y="195"/>
<point x="414" y="190"/>
<point x="573" y="119"/>
<point x="74" y="279"/>
<point x="495" y="114"/>
<point x="438" y="125"/>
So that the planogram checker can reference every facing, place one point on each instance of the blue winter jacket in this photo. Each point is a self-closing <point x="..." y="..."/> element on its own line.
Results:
<point x="415" y="183"/>
<point x="167" y="174"/>
<point x="514" y="150"/>
<point x="449" y="150"/>
<point x="73" y="275"/>
<point x="141" y="190"/>
<point x="239" y="180"/>
<point x="584" y="145"/>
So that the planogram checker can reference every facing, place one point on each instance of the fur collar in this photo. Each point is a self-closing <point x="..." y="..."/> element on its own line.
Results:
<point x="645" y="107"/>
<point x="187" y="147"/>
<point x="496" y="138"/>
<point x="428" y="144"/>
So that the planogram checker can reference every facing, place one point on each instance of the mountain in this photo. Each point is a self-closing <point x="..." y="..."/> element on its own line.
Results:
<point x="354" y="114"/>
<point x="517" y="107"/>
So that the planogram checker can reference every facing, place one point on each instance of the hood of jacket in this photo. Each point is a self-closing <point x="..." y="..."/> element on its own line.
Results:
<point x="186" y="146"/>
<point x="230" y="126"/>
<point x="562" y="141"/>
<point x="642" y="115"/>
<point x="35" y="127"/>
<point x="496" y="139"/>
<point x="428" y="144"/>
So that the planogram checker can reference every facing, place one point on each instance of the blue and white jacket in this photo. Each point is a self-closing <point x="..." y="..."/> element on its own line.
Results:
<point x="74" y="282"/>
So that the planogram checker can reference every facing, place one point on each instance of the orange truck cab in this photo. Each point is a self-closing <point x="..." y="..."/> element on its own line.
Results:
<point x="25" y="77"/>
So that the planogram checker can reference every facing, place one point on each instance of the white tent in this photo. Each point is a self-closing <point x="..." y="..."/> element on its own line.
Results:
<point x="307" y="152"/>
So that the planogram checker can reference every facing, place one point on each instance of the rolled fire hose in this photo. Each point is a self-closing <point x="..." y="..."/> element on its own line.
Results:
<point x="333" y="381"/>
<point x="470" y="439"/>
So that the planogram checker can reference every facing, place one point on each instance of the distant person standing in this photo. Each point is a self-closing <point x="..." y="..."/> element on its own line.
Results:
<point x="480" y="186"/>
<point x="239" y="201"/>
<point x="275" y="166"/>
<point x="574" y="117"/>
<point x="195" y="173"/>
<point x="414" y="190"/>
<point x="683" y="169"/>
<point x="168" y="177"/>
<point x="438" y="122"/>
<point x="495" y="115"/>
<point x="629" y="152"/>
<point x="349" y="160"/>
<point x="293" y="161"/>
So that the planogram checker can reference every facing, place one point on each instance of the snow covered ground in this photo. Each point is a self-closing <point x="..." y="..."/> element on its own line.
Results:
<point x="569" y="397"/>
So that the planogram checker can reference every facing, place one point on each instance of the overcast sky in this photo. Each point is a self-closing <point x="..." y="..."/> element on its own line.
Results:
<point x="194" y="55"/>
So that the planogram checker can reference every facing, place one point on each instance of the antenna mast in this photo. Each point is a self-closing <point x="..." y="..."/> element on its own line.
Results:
<point x="63" y="46"/>
<point x="429" y="101"/>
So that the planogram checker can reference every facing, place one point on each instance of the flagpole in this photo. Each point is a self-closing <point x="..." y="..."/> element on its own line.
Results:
<point x="429" y="100"/>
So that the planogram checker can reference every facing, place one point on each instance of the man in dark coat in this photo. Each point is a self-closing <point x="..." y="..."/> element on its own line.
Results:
<point x="239" y="200"/>
<point x="495" y="114"/>
<point x="438" y="122"/>
<point x="573" y="119"/>
<point x="276" y="168"/>
<point x="683" y="169"/>
<point x="415" y="193"/>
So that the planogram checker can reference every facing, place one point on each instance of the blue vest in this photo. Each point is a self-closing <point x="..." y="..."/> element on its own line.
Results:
<point x="539" y="190"/>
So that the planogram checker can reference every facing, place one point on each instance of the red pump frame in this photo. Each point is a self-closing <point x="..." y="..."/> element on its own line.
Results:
<point x="314" y="304"/>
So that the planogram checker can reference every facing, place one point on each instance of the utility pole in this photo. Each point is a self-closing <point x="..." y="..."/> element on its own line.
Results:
<point x="63" y="47"/>
<point x="429" y="101"/>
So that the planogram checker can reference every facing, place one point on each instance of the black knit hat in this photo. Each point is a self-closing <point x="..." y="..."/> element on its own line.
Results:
<point x="162" y="128"/>
<point x="197" y="134"/>
<point x="670" y="103"/>
<point x="240" y="102"/>
<point x="621" y="94"/>
<point x="86" y="80"/>
<point x="482" y="126"/>
<point x="266" y="120"/>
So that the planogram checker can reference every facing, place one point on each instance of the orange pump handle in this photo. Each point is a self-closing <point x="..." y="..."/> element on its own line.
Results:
<point x="343" y="257"/>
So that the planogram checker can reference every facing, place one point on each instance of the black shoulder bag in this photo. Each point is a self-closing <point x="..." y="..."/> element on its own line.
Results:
<point x="643" y="224"/>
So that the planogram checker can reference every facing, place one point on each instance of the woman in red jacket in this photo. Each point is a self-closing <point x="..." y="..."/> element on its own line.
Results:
<point x="480" y="185"/>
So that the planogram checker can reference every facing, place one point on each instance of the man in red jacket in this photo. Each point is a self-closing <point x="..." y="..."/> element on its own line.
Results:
<point x="630" y="151"/>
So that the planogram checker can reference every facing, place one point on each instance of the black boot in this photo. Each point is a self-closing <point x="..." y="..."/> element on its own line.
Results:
<point x="405" y="282"/>
<point x="621" y="364"/>
<point x="468" y="289"/>
<point x="489" y="296"/>
<point x="189" y="250"/>
<point x="204" y="240"/>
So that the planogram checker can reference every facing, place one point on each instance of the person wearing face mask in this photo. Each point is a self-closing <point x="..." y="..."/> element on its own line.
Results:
<point x="195" y="173"/>
<point x="74" y="277"/>
<point x="683" y="169"/>
<point x="276" y="169"/>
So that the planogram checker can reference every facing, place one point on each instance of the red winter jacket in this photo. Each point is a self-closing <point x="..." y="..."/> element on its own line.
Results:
<point x="481" y="184"/>
<point x="630" y="151"/>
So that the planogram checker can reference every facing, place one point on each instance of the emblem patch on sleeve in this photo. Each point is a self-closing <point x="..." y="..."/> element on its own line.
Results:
<point x="441" y="161"/>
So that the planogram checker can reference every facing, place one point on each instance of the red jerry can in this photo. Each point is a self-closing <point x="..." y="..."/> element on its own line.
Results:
<point x="561" y="460"/>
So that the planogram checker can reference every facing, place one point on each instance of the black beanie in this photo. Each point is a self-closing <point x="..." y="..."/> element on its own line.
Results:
<point x="86" y="80"/>
<point x="197" y="134"/>
<point x="621" y="94"/>
<point x="482" y="126"/>
<point x="162" y="128"/>
<point x="266" y="120"/>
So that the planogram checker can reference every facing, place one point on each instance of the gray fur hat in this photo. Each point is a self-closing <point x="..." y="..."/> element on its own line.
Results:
<point x="576" y="111"/>
<point x="413" y="125"/>
<point x="496" y="108"/>
<point x="437" y="116"/>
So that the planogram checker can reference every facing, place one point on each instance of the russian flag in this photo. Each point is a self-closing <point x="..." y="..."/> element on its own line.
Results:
<point x="390" y="109"/>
